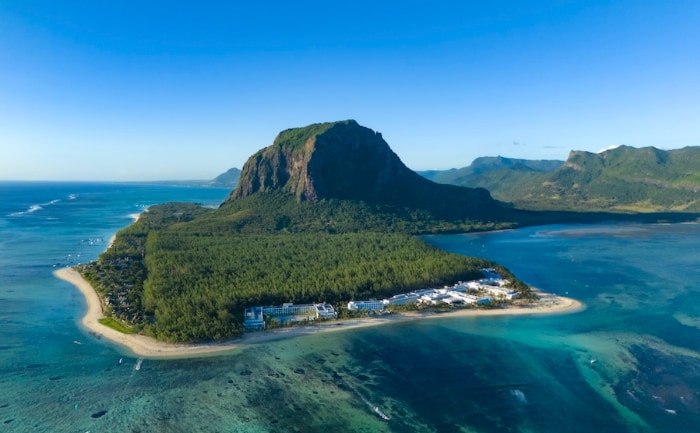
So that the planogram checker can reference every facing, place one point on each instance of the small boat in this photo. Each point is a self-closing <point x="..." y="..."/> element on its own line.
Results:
<point x="138" y="364"/>
<point x="593" y="361"/>
<point x="76" y="342"/>
<point x="381" y="414"/>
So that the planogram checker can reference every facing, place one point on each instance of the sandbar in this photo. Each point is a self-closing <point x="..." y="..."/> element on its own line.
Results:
<point x="146" y="347"/>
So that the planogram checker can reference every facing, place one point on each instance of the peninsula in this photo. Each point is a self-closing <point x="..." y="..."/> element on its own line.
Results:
<point x="328" y="213"/>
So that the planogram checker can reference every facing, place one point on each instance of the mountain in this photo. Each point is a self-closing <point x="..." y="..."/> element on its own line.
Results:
<point x="623" y="179"/>
<point x="346" y="161"/>
<point x="229" y="179"/>
<point x="485" y="171"/>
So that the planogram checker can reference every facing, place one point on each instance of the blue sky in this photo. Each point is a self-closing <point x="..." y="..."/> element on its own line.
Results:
<point x="147" y="90"/>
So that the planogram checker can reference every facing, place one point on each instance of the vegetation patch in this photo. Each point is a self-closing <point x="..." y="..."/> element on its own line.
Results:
<point x="117" y="326"/>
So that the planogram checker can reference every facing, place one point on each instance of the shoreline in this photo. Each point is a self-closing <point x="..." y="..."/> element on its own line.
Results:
<point x="147" y="347"/>
<point x="135" y="217"/>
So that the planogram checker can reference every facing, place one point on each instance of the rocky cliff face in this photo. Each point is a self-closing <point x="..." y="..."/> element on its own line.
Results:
<point x="344" y="160"/>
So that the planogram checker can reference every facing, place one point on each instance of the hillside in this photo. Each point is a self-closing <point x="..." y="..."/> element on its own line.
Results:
<point x="485" y="168"/>
<point x="326" y="213"/>
<point x="624" y="179"/>
<point x="229" y="179"/>
<point x="499" y="175"/>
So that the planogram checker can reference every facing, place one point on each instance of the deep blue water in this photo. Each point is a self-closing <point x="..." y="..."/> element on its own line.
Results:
<point x="501" y="374"/>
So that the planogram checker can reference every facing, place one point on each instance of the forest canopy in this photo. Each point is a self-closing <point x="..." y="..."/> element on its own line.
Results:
<point x="183" y="273"/>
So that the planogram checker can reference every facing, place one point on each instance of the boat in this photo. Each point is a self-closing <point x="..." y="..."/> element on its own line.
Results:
<point x="138" y="364"/>
<point x="381" y="414"/>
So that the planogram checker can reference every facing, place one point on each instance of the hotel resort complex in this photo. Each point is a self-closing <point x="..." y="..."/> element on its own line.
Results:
<point x="287" y="314"/>
<point x="478" y="292"/>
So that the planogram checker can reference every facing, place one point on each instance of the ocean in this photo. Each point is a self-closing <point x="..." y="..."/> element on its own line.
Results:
<point x="630" y="362"/>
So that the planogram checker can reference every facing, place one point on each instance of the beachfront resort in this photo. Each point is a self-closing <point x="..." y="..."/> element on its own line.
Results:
<point x="462" y="294"/>
<point x="287" y="313"/>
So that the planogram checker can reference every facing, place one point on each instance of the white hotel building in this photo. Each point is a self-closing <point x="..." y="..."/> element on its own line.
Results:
<point x="254" y="317"/>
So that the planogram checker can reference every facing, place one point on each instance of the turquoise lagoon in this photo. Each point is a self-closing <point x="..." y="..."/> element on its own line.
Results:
<point x="630" y="362"/>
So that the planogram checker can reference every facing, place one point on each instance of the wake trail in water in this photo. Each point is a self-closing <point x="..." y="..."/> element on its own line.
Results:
<point x="37" y="207"/>
<point x="372" y="406"/>
<point x="33" y="208"/>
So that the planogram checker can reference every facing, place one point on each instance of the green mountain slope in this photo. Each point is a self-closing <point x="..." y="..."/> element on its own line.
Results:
<point x="229" y="179"/>
<point x="624" y="179"/>
<point x="483" y="169"/>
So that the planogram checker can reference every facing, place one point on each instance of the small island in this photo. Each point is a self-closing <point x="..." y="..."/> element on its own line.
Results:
<point x="326" y="214"/>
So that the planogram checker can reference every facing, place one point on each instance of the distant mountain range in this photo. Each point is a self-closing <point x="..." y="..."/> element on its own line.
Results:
<point x="229" y="179"/>
<point x="467" y="176"/>
<point x="624" y="179"/>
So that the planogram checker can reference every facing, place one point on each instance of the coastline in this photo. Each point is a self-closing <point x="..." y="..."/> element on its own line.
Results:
<point x="143" y="346"/>
<point x="135" y="217"/>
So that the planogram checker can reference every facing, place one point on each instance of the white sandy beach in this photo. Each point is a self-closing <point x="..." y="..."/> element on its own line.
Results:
<point x="135" y="217"/>
<point x="147" y="347"/>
